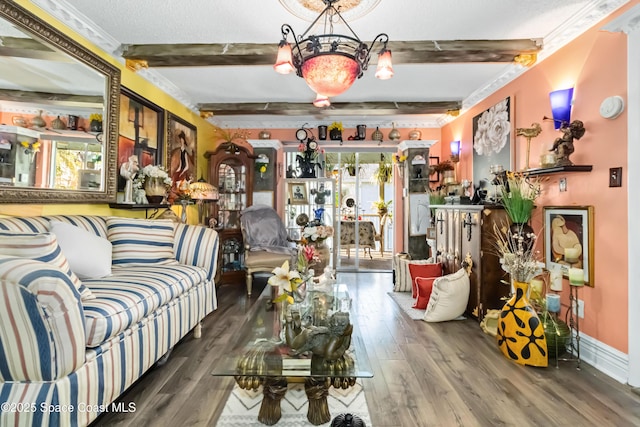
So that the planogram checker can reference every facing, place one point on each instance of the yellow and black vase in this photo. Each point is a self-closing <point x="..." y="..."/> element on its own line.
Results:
<point x="521" y="335"/>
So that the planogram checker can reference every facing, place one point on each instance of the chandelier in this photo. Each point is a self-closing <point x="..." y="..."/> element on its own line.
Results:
<point x="329" y="62"/>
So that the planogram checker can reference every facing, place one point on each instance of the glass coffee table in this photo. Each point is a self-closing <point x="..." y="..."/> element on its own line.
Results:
<point x="312" y="341"/>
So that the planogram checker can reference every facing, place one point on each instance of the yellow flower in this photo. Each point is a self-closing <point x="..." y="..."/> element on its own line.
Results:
<point x="95" y="116"/>
<point x="263" y="169"/>
<point x="336" y="125"/>
<point x="25" y="144"/>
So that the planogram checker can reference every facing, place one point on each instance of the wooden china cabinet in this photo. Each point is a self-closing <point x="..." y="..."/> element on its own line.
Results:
<point x="231" y="172"/>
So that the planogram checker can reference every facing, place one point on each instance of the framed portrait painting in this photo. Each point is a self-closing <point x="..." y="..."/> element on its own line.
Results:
<point x="492" y="136"/>
<point x="568" y="239"/>
<point x="141" y="132"/>
<point x="298" y="193"/>
<point x="182" y="149"/>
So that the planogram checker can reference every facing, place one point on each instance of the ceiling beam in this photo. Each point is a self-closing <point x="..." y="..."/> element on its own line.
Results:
<point x="379" y="108"/>
<point x="404" y="52"/>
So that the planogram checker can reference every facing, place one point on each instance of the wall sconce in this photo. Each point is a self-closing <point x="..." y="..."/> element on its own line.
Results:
<point x="262" y="164"/>
<point x="561" y="101"/>
<point x="399" y="160"/>
<point x="455" y="151"/>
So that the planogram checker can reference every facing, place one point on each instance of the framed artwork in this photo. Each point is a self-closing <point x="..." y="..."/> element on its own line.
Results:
<point x="568" y="239"/>
<point x="298" y="193"/>
<point x="492" y="144"/>
<point x="419" y="214"/>
<point x="433" y="162"/>
<point x="141" y="131"/>
<point x="182" y="149"/>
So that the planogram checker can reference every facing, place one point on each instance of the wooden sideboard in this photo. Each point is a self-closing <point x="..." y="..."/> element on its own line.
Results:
<point x="466" y="232"/>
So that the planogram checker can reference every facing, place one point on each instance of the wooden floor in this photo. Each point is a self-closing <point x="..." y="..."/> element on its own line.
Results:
<point x="441" y="374"/>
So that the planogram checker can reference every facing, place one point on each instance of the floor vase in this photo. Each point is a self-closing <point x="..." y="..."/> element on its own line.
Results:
<point x="521" y="336"/>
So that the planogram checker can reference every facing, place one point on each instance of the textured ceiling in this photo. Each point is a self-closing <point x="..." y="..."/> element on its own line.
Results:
<point x="114" y="23"/>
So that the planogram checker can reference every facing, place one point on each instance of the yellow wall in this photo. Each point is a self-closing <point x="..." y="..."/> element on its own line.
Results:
<point x="140" y="86"/>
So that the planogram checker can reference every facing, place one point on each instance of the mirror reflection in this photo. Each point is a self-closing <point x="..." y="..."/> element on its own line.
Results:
<point x="57" y="112"/>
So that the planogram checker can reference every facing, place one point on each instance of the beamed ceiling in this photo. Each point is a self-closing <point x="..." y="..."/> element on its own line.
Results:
<point x="217" y="57"/>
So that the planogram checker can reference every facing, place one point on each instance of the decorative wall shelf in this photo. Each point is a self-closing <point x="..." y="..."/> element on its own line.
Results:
<point x="558" y="169"/>
<point x="155" y="207"/>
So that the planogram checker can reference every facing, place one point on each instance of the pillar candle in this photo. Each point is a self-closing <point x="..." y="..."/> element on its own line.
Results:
<point x="555" y="277"/>
<point x="553" y="303"/>
<point x="576" y="277"/>
<point x="536" y="286"/>
<point x="571" y="254"/>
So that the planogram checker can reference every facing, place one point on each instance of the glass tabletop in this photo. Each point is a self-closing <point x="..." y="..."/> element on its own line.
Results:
<point x="304" y="339"/>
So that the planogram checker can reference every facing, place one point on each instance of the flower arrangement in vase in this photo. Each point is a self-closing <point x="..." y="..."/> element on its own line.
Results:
<point x="154" y="180"/>
<point x="335" y="131"/>
<point x="95" y="122"/>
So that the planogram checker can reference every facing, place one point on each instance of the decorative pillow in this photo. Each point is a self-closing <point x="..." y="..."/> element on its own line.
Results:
<point x="403" y="276"/>
<point x="423" y="270"/>
<point x="425" y="287"/>
<point x="40" y="247"/>
<point x="449" y="297"/>
<point x="141" y="241"/>
<point x="89" y="255"/>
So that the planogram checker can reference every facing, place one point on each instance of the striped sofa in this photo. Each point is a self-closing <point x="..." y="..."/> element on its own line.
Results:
<point x="65" y="359"/>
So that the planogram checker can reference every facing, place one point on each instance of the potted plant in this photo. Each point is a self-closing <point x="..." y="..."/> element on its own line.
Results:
<point x="95" y="122"/>
<point x="519" y="193"/>
<point x="335" y="131"/>
<point x="381" y="206"/>
<point x="350" y="164"/>
<point x="384" y="172"/>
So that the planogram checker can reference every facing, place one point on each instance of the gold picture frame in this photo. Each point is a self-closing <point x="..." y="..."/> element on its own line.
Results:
<point x="569" y="227"/>
<point x="297" y="192"/>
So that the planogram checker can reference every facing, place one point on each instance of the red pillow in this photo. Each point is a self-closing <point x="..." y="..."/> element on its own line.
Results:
<point x="425" y="286"/>
<point x="423" y="270"/>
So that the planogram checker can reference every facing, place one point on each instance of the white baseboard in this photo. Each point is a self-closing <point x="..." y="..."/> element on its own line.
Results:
<point x="604" y="358"/>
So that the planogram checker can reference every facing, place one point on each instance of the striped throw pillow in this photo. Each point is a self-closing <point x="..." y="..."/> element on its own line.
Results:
<point x="40" y="247"/>
<point x="403" y="275"/>
<point x="141" y="241"/>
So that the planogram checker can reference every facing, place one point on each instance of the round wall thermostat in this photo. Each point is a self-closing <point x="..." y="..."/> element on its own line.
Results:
<point x="612" y="107"/>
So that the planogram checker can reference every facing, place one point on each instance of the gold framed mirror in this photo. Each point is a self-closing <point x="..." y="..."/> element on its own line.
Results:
<point x="65" y="156"/>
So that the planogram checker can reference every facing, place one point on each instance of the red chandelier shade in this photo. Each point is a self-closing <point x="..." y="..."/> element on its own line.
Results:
<point x="284" y="61"/>
<point x="384" y="71"/>
<point x="321" y="101"/>
<point x="330" y="75"/>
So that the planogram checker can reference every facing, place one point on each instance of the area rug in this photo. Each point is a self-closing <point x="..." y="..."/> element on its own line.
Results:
<point x="242" y="407"/>
<point x="405" y="301"/>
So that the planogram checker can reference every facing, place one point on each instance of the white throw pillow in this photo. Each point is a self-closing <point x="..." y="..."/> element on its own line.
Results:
<point x="42" y="247"/>
<point x="89" y="255"/>
<point x="449" y="297"/>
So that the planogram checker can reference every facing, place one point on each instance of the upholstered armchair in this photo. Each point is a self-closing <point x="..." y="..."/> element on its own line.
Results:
<point x="366" y="234"/>
<point x="265" y="240"/>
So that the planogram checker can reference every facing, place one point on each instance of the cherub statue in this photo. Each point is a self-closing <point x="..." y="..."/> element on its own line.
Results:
<point x="563" y="146"/>
<point x="128" y="171"/>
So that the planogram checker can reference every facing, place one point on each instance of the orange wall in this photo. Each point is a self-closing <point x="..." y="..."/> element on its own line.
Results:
<point x="595" y="64"/>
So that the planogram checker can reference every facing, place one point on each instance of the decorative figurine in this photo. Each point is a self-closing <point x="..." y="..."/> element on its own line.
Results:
<point x="563" y="146"/>
<point x="529" y="133"/>
<point x="128" y="171"/>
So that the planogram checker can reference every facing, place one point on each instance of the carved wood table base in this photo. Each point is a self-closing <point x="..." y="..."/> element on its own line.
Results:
<point x="274" y="390"/>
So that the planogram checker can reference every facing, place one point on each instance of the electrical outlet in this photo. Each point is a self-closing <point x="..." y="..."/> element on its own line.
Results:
<point x="562" y="184"/>
<point x="580" y="309"/>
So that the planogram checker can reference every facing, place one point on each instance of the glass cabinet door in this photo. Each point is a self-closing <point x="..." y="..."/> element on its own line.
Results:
<point x="233" y="193"/>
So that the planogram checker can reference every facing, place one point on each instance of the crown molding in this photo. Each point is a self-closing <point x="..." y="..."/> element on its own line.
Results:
<point x="626" y="23"/>
<point x="590" y="15"/>
<point x="295" y="122"/>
